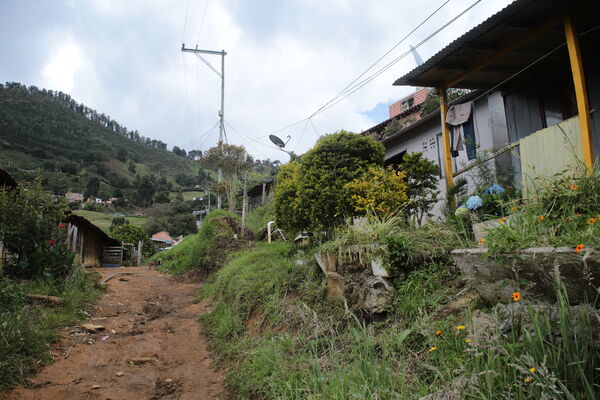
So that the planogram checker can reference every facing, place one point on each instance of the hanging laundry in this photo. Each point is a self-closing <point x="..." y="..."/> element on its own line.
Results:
<point x="462" y="129"/>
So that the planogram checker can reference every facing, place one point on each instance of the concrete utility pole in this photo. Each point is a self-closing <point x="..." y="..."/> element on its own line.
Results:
<point x="198" y="53"/>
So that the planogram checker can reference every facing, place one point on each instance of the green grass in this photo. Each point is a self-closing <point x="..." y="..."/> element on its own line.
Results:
<point x="27" y="330"/>
<point x="280" y="340"/>
<point x="104" y="220"/>
<point x="204" y="250"/>
<point x="259" y="217"/>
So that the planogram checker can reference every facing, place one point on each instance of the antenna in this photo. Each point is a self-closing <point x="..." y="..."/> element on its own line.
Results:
<point x="416" y="55"/>
<point x="281" y="144"/>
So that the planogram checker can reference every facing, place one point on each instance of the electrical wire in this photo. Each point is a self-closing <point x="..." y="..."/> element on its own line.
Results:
<point x="202" y="22"/>
<point x="383" y="56"/>
<point x="187" y="8"/>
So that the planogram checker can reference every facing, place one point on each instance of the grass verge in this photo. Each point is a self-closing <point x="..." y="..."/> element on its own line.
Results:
<point x="27" y="330"/>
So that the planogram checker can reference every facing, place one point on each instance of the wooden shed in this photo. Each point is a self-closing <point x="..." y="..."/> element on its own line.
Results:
<point x="94" y="247"/>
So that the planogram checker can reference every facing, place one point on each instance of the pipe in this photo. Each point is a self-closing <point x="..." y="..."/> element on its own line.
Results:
<point x="269" y="232"/>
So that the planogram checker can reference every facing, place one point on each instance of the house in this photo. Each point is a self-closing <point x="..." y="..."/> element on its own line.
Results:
<point x="6" y="182"/>
<point x="536" y="86"/>
<point x="94" y="247"/>
<point x="162" y="239"/>
<point x="258" y="194"/>
<point x="74" y="197"/>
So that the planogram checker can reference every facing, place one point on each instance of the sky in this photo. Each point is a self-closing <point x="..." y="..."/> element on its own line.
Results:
<point x="285" y="60"/>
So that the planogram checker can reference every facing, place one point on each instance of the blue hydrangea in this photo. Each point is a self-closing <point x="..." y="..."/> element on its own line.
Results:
<point x="474" y="202"/>
<point x="495" y="189"/>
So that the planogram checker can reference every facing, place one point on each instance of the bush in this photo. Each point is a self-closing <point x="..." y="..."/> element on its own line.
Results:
<point x="422" y="180"/>
<point x="128" y="233"/>
<point x="313" y="194"/>
<point x="378" y="190"/>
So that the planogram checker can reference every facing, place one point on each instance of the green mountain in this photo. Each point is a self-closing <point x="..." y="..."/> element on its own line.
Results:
<point x="46" y="133"/>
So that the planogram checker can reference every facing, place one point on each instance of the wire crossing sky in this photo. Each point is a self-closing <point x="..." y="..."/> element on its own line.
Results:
<point x="286" y="59"/>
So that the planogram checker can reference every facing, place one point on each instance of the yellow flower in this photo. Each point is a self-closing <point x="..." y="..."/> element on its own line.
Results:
<point x="516" y="296"/>
<point x="432" y="349"/>
<point x="460" y="327"/>
<point x="528" y="380"/>
<point x="467" y="340"/>
<point x="532" y="370"/>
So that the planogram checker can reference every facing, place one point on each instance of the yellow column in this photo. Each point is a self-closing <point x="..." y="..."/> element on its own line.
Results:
<point x="446" y="143"/>
<point x="580" y="93"/>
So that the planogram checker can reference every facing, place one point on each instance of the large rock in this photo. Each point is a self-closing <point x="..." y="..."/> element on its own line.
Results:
<point x="532" y="272"/>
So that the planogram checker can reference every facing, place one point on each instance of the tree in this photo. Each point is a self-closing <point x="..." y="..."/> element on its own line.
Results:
<point x="131" y="167"/>
<point x="162" y="197"/>
<point x="128" y="233"/>
<point x="233" y="161"/>
<point x="117" y="221"/>
<point x="145" y="192"/>
<point x="319" y="183"/>
<point x="122" y="154"/>
<point x="93" y="187"/>
<point x="432" y="101"/>
<point x="422" y="178"/>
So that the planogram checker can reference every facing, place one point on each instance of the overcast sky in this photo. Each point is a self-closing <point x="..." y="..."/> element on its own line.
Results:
<point x="285" y="60"/>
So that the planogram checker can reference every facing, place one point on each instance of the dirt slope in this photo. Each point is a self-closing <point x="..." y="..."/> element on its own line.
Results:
<point x="150" y="348"/>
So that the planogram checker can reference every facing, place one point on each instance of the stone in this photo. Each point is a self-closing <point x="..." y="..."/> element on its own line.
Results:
<point x="120" y="373"/>
<point x="379" y="268"/>
<point x="335" y="286"/>
<point x="92" y="328"/>
<point x="327" y="261"/>
<point x="374" y="295"/>
<point x="530" y="271"/>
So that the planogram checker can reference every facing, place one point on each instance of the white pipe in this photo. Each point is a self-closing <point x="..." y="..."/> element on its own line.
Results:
<point x="269" y="232"/>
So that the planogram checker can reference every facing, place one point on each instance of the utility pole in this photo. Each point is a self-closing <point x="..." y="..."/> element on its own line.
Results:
<point x="198" y="53"/>
<point x="245" y="203"/>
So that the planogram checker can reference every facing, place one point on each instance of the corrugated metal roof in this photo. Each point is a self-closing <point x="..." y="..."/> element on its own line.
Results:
<point x="502" y="28"/>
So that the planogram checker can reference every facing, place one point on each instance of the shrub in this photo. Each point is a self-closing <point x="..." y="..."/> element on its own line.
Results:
<point x="314" y="187"/>
<point x="378" y="190"/>
<point x="133" y="234"/>
<point x="422" y="181"/>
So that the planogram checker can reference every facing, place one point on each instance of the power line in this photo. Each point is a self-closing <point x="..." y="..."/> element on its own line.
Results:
<point x="202" y="22"/>
<point x="187" y="7"/>
<point x="366" y="81"/>
<point x="382" y="57"/>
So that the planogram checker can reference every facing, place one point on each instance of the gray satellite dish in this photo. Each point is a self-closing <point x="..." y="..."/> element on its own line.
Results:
<point x="276" y="141"/>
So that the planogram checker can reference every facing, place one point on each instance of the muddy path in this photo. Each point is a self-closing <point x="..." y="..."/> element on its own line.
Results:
<point x="149" y="346"/>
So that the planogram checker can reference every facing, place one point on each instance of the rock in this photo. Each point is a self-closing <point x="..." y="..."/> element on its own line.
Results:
<point x="141" y="360"/>
<point x="96" y="387"/>
<point x="335" y="286"/>
<point x="327" y="261"/>
<point x="375" y="295"/>
<point x="379" y="268"/>
<point x="92" y="328"/>
<point x="120" y="373"/>
<point x="530" y="271"/>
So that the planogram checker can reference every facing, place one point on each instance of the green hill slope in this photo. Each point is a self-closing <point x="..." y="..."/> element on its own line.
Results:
<point x="49" y="134"/>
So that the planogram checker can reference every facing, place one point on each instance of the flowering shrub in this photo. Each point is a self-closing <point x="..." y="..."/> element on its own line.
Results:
<point x="379" y="190"/>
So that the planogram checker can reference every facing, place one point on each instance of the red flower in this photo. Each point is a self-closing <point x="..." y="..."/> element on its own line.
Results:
<point x="51" y="242"/>
<point x="61" y="226"/>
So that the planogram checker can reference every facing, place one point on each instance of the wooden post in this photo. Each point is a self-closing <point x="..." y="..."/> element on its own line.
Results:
<point x="446" y="144"/>
<point x="245" y="203"/>
<point x="139" y="252"/>
<point x="264" y="194"/>
<point x="580" y="93"/>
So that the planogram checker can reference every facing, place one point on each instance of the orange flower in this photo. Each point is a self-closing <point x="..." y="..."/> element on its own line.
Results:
<point x="516" y="296"/>
<point x="591" y="221"/>
<point x="579" y="248"/>
<point x="438" y="332"/>
<point x="481" y="241"/>
<point x="502" y="220"/>
<point x="598" y="216"/>
<point x="541" y="218"/>
<point x="573" y="186"/>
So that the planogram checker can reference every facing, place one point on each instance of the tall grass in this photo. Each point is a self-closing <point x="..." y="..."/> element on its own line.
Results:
<point x="26" y="330"/>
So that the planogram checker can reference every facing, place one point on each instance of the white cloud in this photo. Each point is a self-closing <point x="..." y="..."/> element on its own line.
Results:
<point x="59" y="72"/>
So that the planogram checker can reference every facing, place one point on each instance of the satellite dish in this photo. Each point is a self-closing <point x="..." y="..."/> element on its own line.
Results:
<point x="276" y="141"/>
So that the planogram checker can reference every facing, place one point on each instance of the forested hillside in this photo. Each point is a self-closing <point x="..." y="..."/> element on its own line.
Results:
<point x="75" y="148"/>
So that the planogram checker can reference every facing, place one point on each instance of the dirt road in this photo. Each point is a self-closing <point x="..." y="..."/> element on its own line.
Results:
<point x="150" y="347"/>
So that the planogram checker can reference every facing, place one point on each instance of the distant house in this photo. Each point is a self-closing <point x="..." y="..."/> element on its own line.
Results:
<point x="93" y="246"/>
<point x="74" y="197"/>
<point x="258" y="194"/>
<point x="162" y="238"/>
